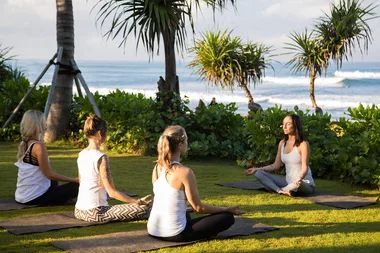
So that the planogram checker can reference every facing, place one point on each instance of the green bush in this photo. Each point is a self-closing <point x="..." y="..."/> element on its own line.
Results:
<point x="360" y="140"/>
<point x="216" y="131"/>
<point x="13" y="87"/>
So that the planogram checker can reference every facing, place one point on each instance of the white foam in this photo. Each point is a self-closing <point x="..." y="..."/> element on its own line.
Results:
<point x="320" y="81"/>
<point x="357" y="75"/>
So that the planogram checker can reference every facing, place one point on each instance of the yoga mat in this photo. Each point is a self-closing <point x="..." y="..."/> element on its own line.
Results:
<point x="11" y="204"/>
<point x="43" y="223"/>
<point x="140" y="240"/>
<point x="337" y="200"/>
<point x="246" y="185"/>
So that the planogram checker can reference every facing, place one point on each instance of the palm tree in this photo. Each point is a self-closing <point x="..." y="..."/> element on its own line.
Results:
<point x="309" y="57"/>
<point x="150" y="21"/>
<point x="334" y="38"/>
<point x="226" y="61"/>
<point x="344" y="28"/>
<point x="59" y="115"/>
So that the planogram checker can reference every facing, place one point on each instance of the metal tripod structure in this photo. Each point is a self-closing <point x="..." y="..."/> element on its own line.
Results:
<point x="78" y="78"/>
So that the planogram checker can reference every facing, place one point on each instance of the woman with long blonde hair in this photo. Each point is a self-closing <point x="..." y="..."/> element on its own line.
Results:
<point x="37" y="182"/>
<point x="174" y="185"/>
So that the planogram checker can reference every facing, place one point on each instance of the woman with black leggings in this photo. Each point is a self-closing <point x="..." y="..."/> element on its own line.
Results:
<point x="174" y="185"/>
<point x="37" y="182"/>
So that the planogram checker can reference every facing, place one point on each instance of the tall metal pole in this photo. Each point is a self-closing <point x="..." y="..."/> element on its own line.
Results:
<point x="48" y="102"/>
<point x="84" y="84"/>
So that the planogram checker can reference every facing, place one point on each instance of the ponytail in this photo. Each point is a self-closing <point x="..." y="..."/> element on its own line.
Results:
<point x="21" y="150"/>
<point x="168" y="144"/>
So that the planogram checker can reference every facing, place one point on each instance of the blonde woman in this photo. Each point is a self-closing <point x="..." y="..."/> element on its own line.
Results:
<point x="174" y="185"/>
<point x="96" y="181"/>
<point x="37" y="182"/>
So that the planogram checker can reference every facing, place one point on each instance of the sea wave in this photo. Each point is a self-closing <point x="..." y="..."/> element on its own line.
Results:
<point x="320" y="81"/>
<point x="357" y="75"/>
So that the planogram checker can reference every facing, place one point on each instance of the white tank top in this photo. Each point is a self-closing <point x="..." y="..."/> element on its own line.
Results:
<point x="31" y="182"/>
<point x="293" y="166"/>
<point x="168" y="215"/>
<point x="91" y="191"/>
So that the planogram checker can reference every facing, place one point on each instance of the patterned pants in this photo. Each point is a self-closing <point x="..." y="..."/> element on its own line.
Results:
<point x="123" y="212"/>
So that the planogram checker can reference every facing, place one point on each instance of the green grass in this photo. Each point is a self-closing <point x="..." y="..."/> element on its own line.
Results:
<point x="303" y="226"/>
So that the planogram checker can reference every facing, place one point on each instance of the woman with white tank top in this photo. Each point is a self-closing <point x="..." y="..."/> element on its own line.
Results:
<point x="96" y="181"/>
<point x="294" y="152"/>
<point x="37" y="182"/>
<point x="174" y="185"/>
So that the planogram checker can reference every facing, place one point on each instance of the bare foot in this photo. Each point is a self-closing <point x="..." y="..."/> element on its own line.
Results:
<point x="285" y="192"/>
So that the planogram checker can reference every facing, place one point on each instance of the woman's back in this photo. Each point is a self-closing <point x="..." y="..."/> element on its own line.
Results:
<point x="168" y="216"/>
<point x="91" y="191"/>
<point x="31" y="182"/>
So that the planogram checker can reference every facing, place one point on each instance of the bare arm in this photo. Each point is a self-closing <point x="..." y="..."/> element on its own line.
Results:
<point x="191" y="190"/>
<point x="272" y="167"/>
<point x="39" y="151"/>
<point x="106" y="177"/>
<point x="305" y="155"/>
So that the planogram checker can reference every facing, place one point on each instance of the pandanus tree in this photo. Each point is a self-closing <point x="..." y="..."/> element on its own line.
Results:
<point x="223" y="60"/>
<point x="153" y="21"/>
<point x="309" y="57"/>
<point x="334" y="38"/>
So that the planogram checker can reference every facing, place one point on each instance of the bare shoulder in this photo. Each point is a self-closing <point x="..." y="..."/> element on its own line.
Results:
<point x="305" y="144"/>
<point x="183" y="171"/>
<point x="39" y="147"/>
<point x="304" y="148"/>
<point x="281" y="143"/>
<point x="104" y="159"/>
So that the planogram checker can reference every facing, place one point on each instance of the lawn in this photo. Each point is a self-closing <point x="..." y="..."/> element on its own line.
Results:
<point x="303" y="226"/>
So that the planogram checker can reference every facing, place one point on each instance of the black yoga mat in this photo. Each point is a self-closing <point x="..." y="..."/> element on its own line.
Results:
<point x="337" y="200"/>
<point x="326" y="198"/>
<point x="245" y="184"/>
<point x="140" y="240"/>
<point x="11" y="204"/>
<point x="43" y="223"/>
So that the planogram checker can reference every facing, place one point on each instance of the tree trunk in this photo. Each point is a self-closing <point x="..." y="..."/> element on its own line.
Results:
<point x="247" y="92"/>
<point x="171" y="79"/>
<point x="59" y="115"/>
<point x="313" y="75"/>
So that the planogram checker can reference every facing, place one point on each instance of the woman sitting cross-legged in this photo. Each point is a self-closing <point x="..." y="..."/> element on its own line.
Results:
<point x="96" y="181"/>
<point x="174" y="185"/>
<point x="37" y="182"/>
<point x="294" y="152"/>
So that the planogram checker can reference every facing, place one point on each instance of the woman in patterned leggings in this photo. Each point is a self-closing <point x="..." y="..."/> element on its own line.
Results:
<point x="96" y="181"/>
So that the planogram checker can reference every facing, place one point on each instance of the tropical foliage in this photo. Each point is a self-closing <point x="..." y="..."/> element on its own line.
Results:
<point x="13" y="86"/>
<point x="223" y="60"/>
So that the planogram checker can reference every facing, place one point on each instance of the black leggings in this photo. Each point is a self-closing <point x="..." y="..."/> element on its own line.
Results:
<point x="202" y="227"/>
<point x="56" y="194"/>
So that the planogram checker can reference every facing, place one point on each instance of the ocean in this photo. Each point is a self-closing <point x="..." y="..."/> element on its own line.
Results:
<point x="354" y="83"/>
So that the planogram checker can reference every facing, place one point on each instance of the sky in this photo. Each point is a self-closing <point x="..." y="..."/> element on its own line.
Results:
<point x="29" y="26"/>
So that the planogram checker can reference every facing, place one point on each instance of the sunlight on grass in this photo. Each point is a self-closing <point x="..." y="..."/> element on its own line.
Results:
<point x="303" y="226"/>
